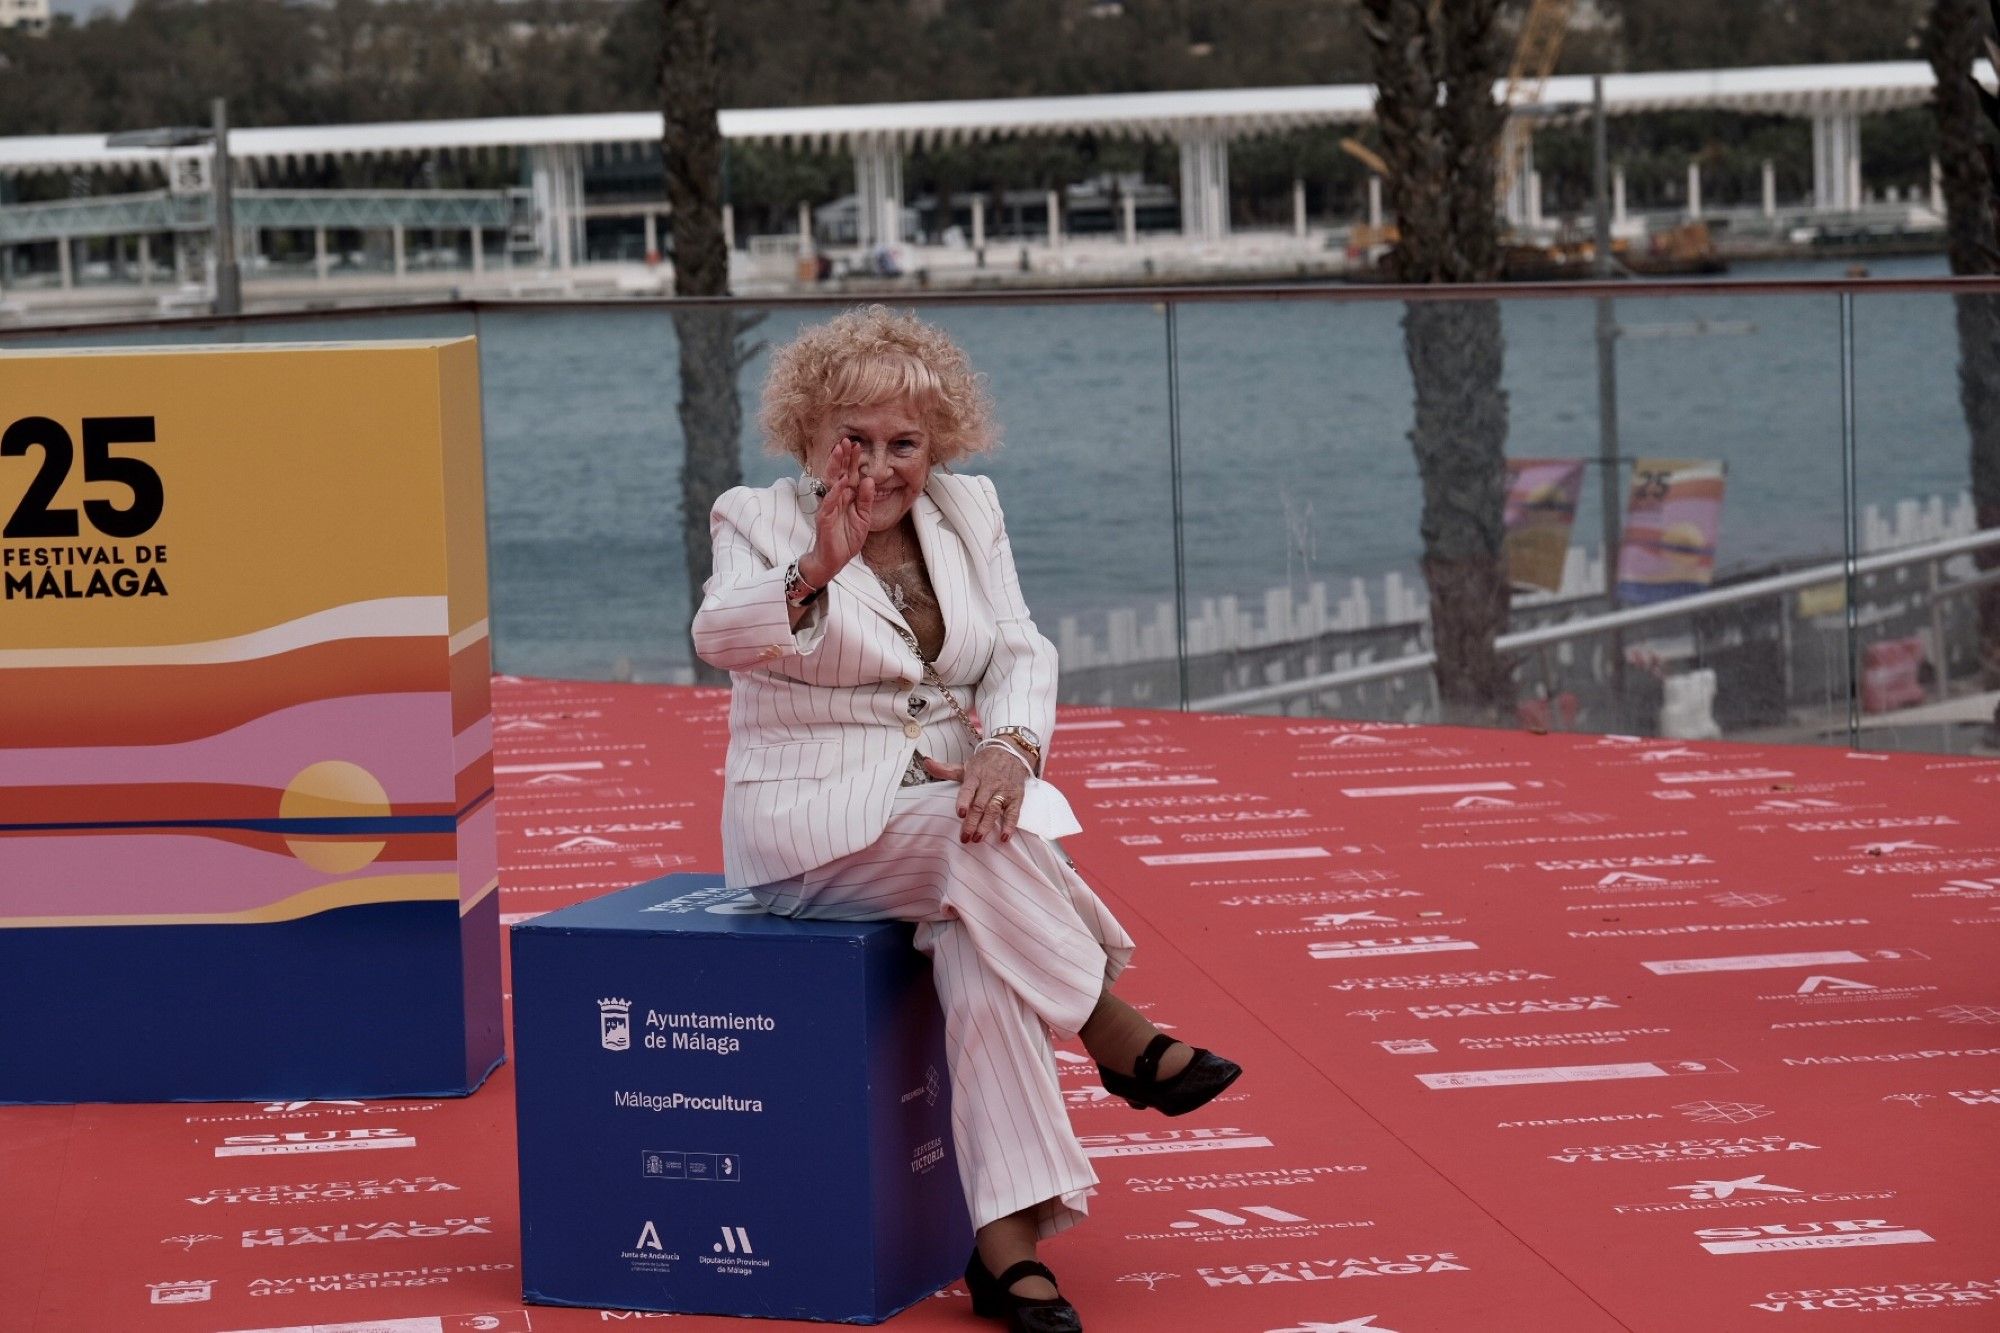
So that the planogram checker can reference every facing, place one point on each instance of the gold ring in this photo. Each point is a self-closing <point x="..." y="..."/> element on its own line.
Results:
<point x="997" y="799"/>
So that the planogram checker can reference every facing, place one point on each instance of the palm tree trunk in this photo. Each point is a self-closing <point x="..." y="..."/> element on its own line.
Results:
<point x="1460" y="440"/>
<point x="711" y="417"/>
<point x="691" y="151"/>
<point x="1435" y="66"/>
<point x="711" y="414"/>
<point x="1953" y="41"/>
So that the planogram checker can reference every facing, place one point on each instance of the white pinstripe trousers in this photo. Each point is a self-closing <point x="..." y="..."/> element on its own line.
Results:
<point x="1018" y="945"/>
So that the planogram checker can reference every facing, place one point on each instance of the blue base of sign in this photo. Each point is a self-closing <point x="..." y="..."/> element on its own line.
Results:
<point x="918" y="1298"/>
<point x="724" y="1112"/>
<point x="380" y="1000"/>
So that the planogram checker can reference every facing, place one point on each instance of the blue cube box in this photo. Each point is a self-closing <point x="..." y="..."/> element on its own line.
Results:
<point x="725" y="1112"/>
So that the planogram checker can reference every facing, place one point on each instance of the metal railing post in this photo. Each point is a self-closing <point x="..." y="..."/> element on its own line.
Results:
<point x="228" y="278"/>
<point x="1851" y="529"/>
<point x="1180" y="530"/>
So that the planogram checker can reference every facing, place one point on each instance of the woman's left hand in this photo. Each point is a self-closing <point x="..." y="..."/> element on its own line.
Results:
<point x="991" y="785"/>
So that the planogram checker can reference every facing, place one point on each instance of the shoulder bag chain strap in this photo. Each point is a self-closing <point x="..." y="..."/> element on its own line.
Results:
<point x="936" y="682"/>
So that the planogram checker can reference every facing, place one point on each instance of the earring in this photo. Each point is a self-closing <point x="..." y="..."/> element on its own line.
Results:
<point x="811" y="491"/>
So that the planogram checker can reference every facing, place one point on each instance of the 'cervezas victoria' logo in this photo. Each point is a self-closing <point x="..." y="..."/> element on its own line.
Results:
<point x="1882" y="1296"/>
<point x="1683" y="1150"/>
<point x="1443" y="980"/>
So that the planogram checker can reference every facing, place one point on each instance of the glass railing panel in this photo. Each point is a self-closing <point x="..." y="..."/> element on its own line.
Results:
<point x="1306" y="549"/>
<point x="1084" y="474"/>
<point x="585" y="449"/>
<point x="1925" y="366"/>
<point x="1294" y="468"/>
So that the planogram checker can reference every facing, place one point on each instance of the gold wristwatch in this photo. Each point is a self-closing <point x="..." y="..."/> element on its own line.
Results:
<point x="1025" y="739"/>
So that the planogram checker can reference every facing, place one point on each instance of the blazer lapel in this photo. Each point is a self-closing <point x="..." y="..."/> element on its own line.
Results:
<point x="974" y="530"/>
<point x="856" y="578"/>
<point x="945" y="558"/>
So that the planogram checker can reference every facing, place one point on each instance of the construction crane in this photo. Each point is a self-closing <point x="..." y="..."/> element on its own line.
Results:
<point x="1365" y="155"/>
<point x="1542" y="34"/>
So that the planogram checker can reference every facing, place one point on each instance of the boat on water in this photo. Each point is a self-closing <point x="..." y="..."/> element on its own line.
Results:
<point x="1687" y="250"/>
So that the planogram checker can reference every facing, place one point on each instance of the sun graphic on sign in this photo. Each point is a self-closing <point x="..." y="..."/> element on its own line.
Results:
<point x="334" y="789"/>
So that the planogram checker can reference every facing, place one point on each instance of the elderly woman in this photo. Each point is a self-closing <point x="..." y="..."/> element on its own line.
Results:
<point x="891" y="713"/>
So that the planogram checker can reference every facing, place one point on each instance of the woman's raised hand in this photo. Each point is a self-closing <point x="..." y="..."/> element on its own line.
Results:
<point x="841" y="524"/>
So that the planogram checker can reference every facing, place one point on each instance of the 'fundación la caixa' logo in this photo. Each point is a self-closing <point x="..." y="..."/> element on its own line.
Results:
<point x="614" y="1024"/>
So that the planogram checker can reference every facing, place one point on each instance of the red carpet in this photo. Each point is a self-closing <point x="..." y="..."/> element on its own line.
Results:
<point x="1543" y="1033"/>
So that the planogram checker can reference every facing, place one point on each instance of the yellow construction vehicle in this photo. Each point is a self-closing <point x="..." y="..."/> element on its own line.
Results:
<point x="1542" y="34"/>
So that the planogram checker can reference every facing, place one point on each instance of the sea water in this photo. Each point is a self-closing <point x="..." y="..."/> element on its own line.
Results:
<point x="1293" y="418"/>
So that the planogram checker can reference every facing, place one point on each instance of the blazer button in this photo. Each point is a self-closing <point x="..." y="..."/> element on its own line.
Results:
<point x="912" y="730"/>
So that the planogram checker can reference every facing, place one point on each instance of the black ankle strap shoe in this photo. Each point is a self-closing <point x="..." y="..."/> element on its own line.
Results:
<point x="991" y="1299"/>
<point x="1206" y="1075"/>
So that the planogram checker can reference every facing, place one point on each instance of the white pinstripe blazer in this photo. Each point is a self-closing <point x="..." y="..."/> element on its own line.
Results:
<point x="820" y="727"/>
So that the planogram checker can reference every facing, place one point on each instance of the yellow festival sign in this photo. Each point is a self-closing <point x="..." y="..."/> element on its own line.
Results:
<point x="244" y="661"/>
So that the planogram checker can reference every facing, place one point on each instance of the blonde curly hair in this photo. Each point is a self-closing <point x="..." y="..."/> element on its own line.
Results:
<point x="868" y="355"/>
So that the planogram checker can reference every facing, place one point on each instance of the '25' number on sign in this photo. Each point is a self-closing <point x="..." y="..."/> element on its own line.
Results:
<point x="33" y="517"/>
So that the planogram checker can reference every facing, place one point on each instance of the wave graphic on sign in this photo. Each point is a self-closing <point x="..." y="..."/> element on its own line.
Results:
<point x="154" y="878"/>
<point x="309" y="902"/>
<point x="222" y="779"/>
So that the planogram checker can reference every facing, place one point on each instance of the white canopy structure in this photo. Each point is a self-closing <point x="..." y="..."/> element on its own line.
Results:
<point x="876" y="135"/>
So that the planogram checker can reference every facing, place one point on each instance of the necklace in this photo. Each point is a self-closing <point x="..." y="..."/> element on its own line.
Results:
<point x="904" y="591"/>
<point x="904" y="588"/>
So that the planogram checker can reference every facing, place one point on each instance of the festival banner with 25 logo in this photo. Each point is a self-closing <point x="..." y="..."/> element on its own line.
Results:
<point x="243" y="638"/>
